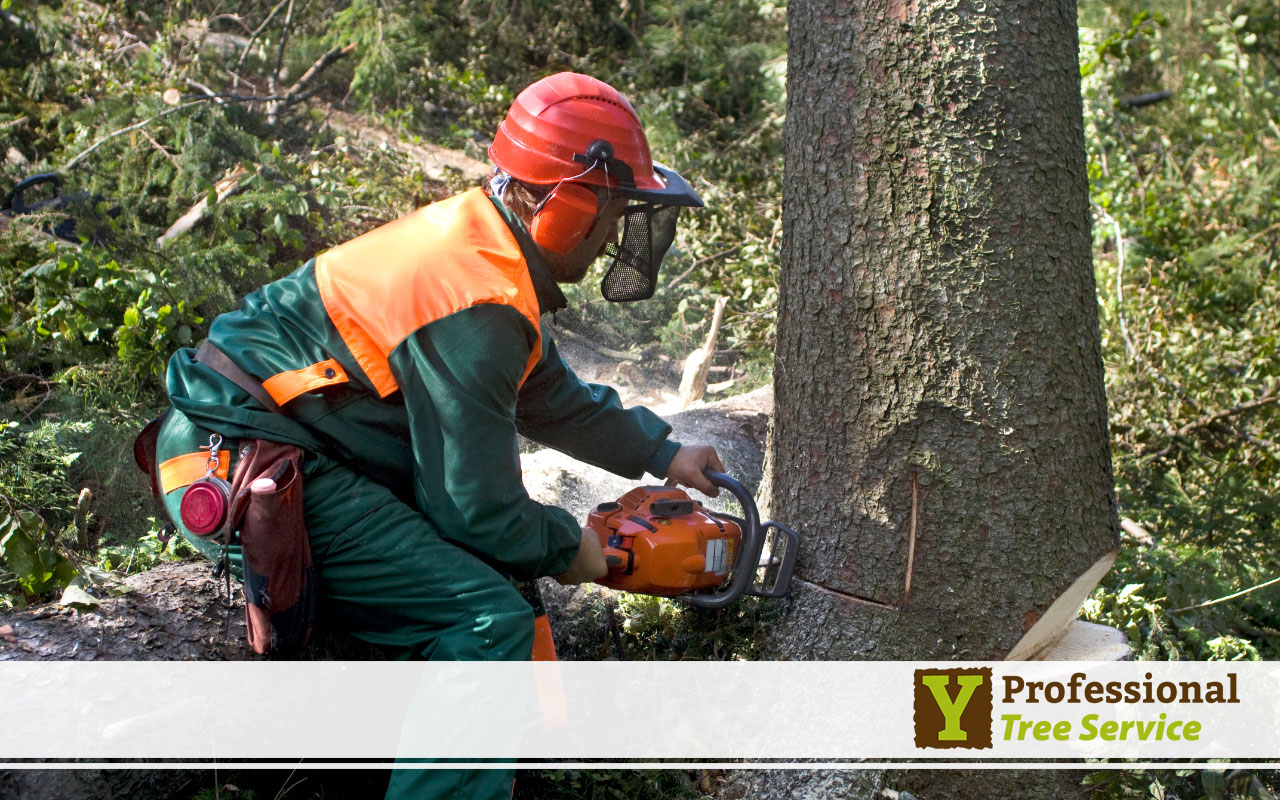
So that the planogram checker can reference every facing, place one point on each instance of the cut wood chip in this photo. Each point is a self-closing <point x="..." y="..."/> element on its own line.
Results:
<point x="1052" y="625"/>
<point x="1088" y="641"/>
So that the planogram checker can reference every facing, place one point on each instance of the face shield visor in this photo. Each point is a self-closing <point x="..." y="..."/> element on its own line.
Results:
<point x="648" y="229"/>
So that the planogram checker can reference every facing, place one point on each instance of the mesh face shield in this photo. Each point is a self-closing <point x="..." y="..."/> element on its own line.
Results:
<point x="647" y="232"/>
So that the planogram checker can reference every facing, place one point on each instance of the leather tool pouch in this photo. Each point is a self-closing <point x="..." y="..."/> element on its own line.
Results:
<point x="280" y="584"/>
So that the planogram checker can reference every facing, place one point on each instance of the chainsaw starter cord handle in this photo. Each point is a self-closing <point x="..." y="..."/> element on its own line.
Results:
<point x="748" y="552"/>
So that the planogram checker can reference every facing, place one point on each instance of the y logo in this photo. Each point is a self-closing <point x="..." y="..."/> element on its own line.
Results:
<point x="953" y="708"/>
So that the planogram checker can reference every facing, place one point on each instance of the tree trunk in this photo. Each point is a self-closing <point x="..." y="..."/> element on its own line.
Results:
<point x="947" y="459"/>
<point x="940" y="430"/>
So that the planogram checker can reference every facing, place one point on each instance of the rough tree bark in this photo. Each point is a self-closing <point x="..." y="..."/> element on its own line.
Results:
<point x="949" y="460"/>
<point x="940" y="430"/>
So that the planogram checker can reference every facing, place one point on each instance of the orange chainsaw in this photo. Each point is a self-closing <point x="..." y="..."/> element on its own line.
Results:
<point x="659" y="541"/>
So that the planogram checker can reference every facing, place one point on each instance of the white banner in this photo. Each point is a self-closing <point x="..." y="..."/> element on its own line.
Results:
<point x="639" y="710"/>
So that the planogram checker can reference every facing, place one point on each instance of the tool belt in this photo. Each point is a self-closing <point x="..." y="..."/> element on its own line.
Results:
<point x="263" y="503"/>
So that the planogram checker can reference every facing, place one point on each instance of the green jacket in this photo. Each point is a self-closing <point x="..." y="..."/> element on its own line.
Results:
<point x="416" y="354"/>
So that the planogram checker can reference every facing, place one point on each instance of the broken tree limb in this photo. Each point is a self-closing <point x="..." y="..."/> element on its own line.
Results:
<point x="284" y="41"/>
<point x="702" y="261"/>
<point x="1231" y="596"/>
<point x="257" y="31"/>
<point x="1136" y="532"/>
<point x="321" y="64"/>
<point x="85" y="153"/>
<point x="223" y="188"/>
<point x="211" y="94"/>
<point x="1208" y="420"/>
<point x="694" y="383"/>
<point x="295" y="93"/>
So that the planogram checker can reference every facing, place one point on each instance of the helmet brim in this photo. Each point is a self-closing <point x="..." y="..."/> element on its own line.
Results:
<point x="676" y="192"/>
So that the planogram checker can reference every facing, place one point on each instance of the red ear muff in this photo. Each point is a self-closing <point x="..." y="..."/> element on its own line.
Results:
<point x="564" y="217"/>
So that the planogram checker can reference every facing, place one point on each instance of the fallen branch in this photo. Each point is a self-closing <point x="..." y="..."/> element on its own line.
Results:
<point x="1209" y="420"/>
<point x="619" y="355"/>
<point x="257" y="32"/>
<point x="224" y="189"/>
<point x="284" y="41"/>
<point x="248" y="98"/>
<point x="1148" y="99"/>
<point x="100" y="142"/>
<point x="1139" y="533"/>
<point x="295" y="92"/>
<point x="163" y="150"/>
<point x="211" y="94"/>
<point x="702" y="261"/>
<point x="1225" y="599"/>
<point x="1266" y="446"/>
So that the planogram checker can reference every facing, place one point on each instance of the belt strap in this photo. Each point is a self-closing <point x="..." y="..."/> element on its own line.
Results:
<point x="216" y="360"/>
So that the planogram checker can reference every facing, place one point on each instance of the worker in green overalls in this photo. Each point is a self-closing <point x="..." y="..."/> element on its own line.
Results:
<point x="406" y="361"/>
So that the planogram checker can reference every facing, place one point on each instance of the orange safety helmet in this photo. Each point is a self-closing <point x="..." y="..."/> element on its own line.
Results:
<point x="552" y="126"/>
<point x="569" y="130"/>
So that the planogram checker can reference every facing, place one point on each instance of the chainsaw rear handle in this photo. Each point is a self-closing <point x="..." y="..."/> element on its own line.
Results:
<point x="744" y="566"/>
<point x="18" y="204"/>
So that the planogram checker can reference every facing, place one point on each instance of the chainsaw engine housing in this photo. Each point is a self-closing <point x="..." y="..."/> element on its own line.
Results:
<point x="657" y="540"/>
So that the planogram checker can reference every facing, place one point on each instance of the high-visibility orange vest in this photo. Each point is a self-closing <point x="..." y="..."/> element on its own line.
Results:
<point x="381" y="287"/>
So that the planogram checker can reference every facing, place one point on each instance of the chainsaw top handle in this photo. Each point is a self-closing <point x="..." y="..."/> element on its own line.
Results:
<point x="749" y="549"/>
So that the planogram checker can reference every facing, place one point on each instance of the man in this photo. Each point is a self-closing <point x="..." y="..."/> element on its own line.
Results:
<point x="406" y="361"/>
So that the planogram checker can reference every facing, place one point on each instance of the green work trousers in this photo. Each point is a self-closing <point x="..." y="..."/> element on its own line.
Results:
<point x="389" y="578"/>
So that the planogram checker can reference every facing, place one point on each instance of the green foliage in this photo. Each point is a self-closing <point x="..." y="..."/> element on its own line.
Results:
<point x="147" y="552"/>
<point x="1185" y="201"/>
<point x="657" y="629"/>
<point x="89" y="316"/>
<point x="36" y="463"/>
<point x="31" y="554"/>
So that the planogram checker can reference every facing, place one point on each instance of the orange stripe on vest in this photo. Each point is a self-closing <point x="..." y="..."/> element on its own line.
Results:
<point x="381" y="287"/>
<point x="182" y="471"/>
<point x="285" y="386"/>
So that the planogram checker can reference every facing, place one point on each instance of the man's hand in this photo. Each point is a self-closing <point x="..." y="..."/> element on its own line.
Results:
<point x="689" y="463"/>
<point x="588" y="564"/>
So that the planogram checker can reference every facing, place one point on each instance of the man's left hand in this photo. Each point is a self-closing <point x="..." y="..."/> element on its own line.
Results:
<point x="689" y="463"/>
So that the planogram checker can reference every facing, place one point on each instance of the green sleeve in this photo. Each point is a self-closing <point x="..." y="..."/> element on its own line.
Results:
<point x="459" y="377"/>
<point x="588" y="422"/>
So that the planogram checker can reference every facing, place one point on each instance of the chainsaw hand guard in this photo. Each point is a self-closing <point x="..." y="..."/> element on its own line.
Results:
<point x="754" y="536"/>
